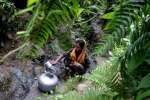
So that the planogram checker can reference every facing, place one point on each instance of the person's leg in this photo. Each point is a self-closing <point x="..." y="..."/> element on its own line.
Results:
<point x="75" y="69"/>
<point x="67" y="62"/>
<point x="79" y="69"/>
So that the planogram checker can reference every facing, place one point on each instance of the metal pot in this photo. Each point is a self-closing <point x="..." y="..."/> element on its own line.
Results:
<point x="47" y="81"/>
<point x="57" y="69"/>
<point x="50" y="68"/>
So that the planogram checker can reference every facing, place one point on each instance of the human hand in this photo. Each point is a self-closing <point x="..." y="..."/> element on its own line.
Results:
<point x="71" y="64"/>
<point x="64" y="54"/>
<point x="53" y="62"/>
<point x="74" y="64"/>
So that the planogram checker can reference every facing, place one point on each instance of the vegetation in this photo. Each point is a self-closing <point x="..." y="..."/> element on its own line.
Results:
<point x="6" y="20"/>
<point x="126" y="74"/>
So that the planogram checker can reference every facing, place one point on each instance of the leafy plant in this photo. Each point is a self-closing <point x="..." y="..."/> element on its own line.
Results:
<point x="101" y="80"/>
<point x="48" y="17"/>
<point x="131" y="19"/>
<point x="44" y="23"/>
<point x="31" y="2"/>
<point x="122" y="18"/>
<point x="6" y="19"/>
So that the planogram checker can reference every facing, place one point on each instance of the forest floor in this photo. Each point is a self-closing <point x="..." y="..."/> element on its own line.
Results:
<point x="18" y="78"/>
<point x="17" y="75"/>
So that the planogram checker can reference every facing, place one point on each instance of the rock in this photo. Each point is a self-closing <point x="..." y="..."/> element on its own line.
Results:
<point x="38" y="70"/>
<point x="20" y="85"/>
<point x="82" y="87"/>
<point x="5" y="81"/>
<point x="101" y="60"/>
<point x="34" y="92"/>
<point x="5" y="78"/>
<point x="17" y="80"/>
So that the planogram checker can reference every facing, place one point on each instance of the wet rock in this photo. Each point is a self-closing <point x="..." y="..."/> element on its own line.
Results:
<point x="34" y="92"/>
<point x="5" y="80"/>
<point x="17" y="80"/>
<point x="37" y="70"/>
<point x="20" y="85"/>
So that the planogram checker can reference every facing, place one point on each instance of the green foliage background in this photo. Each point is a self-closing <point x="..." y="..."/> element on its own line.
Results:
<point x="126" y="74"/>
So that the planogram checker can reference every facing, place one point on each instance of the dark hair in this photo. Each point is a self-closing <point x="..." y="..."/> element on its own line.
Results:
<point x="81" y="43"/>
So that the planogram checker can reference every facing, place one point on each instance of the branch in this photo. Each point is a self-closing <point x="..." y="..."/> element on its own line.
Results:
<point x="12" y="51"/>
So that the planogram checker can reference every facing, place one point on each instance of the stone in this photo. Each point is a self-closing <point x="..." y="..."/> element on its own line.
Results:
<point x="82" y="87"/>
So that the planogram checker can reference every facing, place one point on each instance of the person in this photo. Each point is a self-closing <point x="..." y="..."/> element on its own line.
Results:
<point x="76" y="59"/>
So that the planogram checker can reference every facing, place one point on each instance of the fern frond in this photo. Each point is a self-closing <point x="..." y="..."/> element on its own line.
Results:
<point x="135" y="55"/>
<point x="139" y="43"/>
<point x="44" y="23"/>
<point x="104" y="93"/>
<point x="119" y="26"/>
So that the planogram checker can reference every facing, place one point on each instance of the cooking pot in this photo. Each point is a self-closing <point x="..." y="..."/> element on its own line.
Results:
<point x="47" y="81"/>
<point x="58" y="69"/>
<point x="50" y="68"/>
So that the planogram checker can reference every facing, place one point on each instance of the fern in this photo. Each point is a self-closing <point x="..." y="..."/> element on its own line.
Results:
<point x="101" y="81"/>
<point x="121" y="73"/>
<point x="137" y="26"/>
<point x="139" y="43"/>
<point x="44" y="24"/>
<point x="119" y="26"/>
<point x="48" y="17"/>
<point x="91" y="94"/>
<point x="136" y="55"/>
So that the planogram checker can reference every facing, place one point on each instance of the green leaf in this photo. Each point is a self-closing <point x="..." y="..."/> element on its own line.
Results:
<point x="143" y="95"/>
<point x="79" y="11"/>
<point x="108" y="15"/>
<point x="23" y="11"/>
<point x="145" y="82"/>
<point x="135" y="61"/>
<point x="30" y="2"/>
<point x="23" y="33"/>
<point x="148" y="61"/>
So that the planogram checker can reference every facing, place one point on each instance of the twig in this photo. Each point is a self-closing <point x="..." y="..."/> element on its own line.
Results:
<point x="12" y="51"/>
<point x="86" y="20"/>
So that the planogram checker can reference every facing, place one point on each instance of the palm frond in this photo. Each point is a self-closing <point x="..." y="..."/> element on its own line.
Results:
<point x="135" y="55"/>
<point x="44" y="23"/>
<point x="119" y="26"/>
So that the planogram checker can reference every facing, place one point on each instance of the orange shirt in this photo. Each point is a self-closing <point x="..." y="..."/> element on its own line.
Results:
<point x="80" y="58"/>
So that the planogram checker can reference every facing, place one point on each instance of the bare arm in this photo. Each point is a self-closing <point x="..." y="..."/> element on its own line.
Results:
<point x="60" y="57"/>
<point x="57" y="60"/>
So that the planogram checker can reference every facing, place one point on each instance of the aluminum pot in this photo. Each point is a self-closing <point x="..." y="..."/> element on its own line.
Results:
<point x="47" y="81"/>
<point x="50" y="68"/>
<point x="56" y="69"/>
